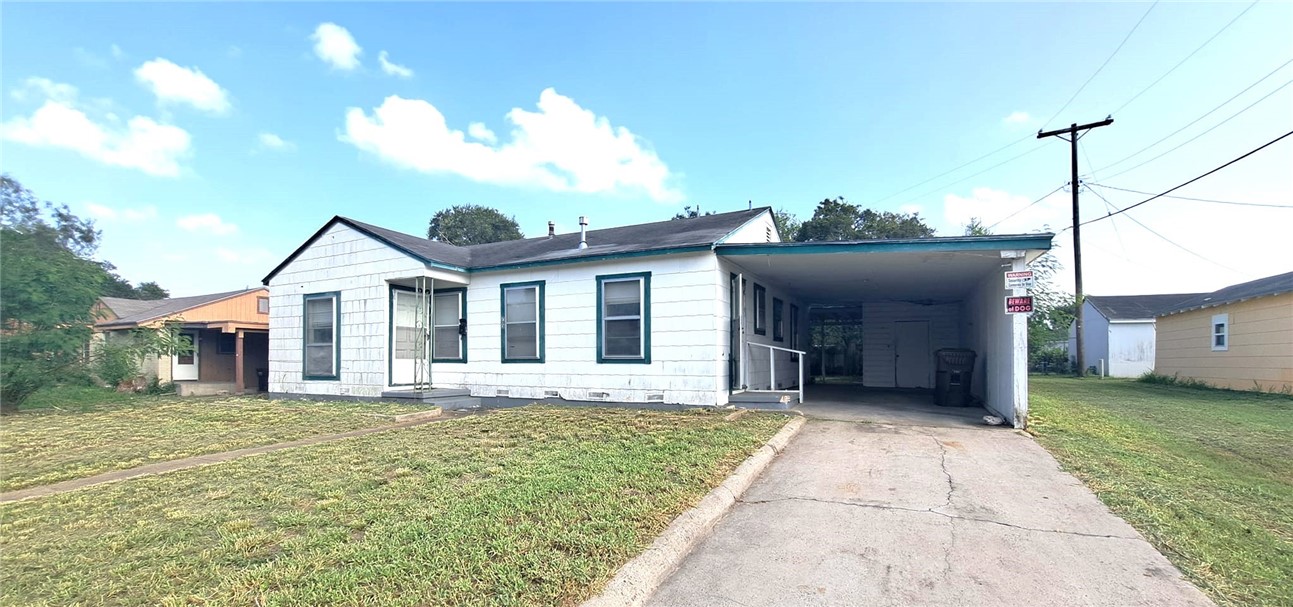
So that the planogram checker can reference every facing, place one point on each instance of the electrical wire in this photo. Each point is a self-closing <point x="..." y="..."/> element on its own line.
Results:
<point x="1169" y="191"/>
<point x="1187" y="57"/>
<point x="1030" y="205"/>
<point x="956" y="168"/>
<point x="1242" y="204"/>
<point x="1210" y="129"/>
<point x="1109" y="207"/>
<point x="1102" y="65"/>
<point x="1196" y="120"/>
<point x="1172" y="242"/>
<point x="969" y="177"/>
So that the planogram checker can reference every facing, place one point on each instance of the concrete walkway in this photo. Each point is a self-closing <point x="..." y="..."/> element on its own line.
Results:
<point x="203" y="460"/>
<point x="870" y="514"/>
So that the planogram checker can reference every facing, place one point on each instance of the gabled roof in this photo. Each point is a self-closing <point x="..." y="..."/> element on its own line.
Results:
<point x="1136" y="307"/>
<point x="132" y="312"/>
<point x="1262" y="287"/>
<point x="662" y="236"/>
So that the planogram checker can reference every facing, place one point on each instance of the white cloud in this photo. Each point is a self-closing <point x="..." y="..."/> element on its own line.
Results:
<point x="1017" y="118"/>
<point x="562" y="147"/>
<point x="174" y="84"/>
<point x="393" y="69"/>
<point x="43" y="88"/>
<point x="105" y="213"/>
<point x="336" y="47"/>
<point x="208" y="222"/>
<point x="480" y="132"/>
<point x="141" y="143"/>
<point x="999" y="207"/>
<point x="270" y="141"/>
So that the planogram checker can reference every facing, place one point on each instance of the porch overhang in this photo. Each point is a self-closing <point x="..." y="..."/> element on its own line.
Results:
<point x="926" y="270"/>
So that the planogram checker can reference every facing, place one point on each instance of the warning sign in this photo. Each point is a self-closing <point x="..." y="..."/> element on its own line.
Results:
<point x="1022" y="279"/>
<point x="1019" y="305"/>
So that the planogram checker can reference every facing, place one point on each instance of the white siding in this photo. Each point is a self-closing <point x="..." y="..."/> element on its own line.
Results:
<point x="1001" y="342"/>
<point x="357" y="266"/>
<point x="1131" y="349"/>
<point x="758" y="230"/>
<point x="878" y="321"/>
<point x="757" y="359"/>
<point x="685" y="361"/>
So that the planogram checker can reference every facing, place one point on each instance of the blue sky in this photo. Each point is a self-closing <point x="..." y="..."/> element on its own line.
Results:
<point x="209" y="140"/>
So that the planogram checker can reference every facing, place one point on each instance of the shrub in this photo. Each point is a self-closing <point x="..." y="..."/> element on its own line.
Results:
<point x="116" y="362"/>
<point x="158" y="387"/>
<point x="1049" y="360"/>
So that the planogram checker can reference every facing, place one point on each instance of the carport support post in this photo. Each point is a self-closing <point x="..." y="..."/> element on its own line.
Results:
<point x="238" y="378"/>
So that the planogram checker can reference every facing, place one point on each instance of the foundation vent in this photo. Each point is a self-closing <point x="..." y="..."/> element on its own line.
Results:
<point x="551" y="394"/>
<point x="655" y="398"/>
<point x="599" y="395"/>
<point x="503" y="392"/>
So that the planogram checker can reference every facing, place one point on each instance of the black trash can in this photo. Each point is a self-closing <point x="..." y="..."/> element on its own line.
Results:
<point x="952" y="379"/>
<point x="262" y="380"/>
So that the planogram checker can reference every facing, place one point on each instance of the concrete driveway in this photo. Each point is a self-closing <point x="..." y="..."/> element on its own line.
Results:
<point x="877" y="514"/>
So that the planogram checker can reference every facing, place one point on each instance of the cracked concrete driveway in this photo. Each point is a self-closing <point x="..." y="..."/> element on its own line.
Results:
<point x="867" y="514"/>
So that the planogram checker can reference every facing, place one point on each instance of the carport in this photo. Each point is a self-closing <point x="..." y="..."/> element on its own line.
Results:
<point x="904" y="300"/>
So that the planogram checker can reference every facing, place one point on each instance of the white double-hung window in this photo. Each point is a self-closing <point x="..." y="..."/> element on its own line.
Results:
<point x="1220" y="332"/>
<point x="322" y="351"/>
<point x="624" y="318"/>
<point x="522" y="320"/>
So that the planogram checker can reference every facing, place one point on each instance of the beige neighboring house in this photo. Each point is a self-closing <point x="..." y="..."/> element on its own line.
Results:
<point x="1240" y="337"/>
<point x="230" y="331"/>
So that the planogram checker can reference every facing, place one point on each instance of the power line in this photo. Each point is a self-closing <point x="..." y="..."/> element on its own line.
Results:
<point x="1210" y="129"/>
<point x="1169" y="191"/>
<point x="969" y="177"/>
<point x="1102" y="65"/>
<point x="956" y="168"/>
<point x="1172" y="242"/>
<point x="1196" y="120"/>
<point x="1187" y="57"/>
<point x="1109" y="207"/>
<point x="1242" y="204"/>
<point x="1030" y="205"/>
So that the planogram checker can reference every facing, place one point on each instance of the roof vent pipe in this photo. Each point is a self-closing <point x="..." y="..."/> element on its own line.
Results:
<point x="552" y="230"/>
<point x="583" y="232"/>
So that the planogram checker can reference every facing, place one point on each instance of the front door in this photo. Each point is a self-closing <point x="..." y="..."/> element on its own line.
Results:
<point x="409" y="336"/>
<point x="734" y="333"/>
<point x="184" y="367"/>
<point x="911" y="354"/>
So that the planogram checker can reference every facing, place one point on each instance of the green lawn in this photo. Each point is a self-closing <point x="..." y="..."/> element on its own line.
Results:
<point x="536" y="506"/>
<point x="1205" y="475"/>
<point x="78" y="432"/>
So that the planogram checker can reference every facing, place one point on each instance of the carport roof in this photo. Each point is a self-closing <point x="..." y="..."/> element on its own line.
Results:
<point x="921" y="270"/>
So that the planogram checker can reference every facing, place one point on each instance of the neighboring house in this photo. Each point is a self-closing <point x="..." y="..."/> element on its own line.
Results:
<point x="1239" y="337"/>
<point x="1120" y="331"/>
<point x="230" y="332"/>
<point x="700" y="311"/>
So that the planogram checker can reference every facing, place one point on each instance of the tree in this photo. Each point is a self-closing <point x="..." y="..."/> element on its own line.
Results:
<point x="49" y="283"/>
<point x="976" y="228"/>
<point x="837" y="219"/>
<point x="470" y="224"/>
<point x="151" y="290"/>
<point x="787" y="224"/>
<point x="690" y="213"/>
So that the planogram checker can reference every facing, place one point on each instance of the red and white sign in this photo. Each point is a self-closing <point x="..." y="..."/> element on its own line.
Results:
<point x="1022" y="279"/>
<point x="1019" y="305"/>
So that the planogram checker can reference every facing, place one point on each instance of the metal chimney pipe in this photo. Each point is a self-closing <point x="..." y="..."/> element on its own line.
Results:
<point x="583" y="232"/>
<point x="552" y="229"/>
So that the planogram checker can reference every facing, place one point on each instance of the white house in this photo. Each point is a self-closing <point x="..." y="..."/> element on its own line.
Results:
<point x="1120" y="331"/>
<point x="700" y="311"/>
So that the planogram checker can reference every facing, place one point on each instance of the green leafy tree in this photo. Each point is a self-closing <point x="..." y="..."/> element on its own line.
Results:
<point x="837" y="219"/>
<point x="471" y="224"/>
<point x="151" y="290"/>
<point x="690" y="213"/>
<point x="787" y="224"/>
<point x="976" y="228"/>
<point x="49" y="284"/>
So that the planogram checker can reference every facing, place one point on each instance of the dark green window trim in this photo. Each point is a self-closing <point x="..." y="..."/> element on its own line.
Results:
<point x="778" y="329"/>
<point x="502" y="320"/>
<point x="794" y="331"/>
<point x="462" y="335"/>
<point x="760" y="310"/>
<point x="335" y="296"/>
<point x="645" y="359"/>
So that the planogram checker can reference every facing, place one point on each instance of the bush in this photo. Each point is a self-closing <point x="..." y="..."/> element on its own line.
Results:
<point x="1049" y="360"/>
<point x="157" y="387"/>
<point x="1149" y="377"/>
<point x="116" y="362"/>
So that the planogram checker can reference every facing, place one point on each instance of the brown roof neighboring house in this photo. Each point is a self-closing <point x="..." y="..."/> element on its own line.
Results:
<point x="121" y="313"/>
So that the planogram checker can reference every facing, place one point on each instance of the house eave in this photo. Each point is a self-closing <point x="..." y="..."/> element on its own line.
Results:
<point x="1035" y="242"/>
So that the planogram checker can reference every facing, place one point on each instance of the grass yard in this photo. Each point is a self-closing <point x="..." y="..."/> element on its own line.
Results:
<point x="533" y="506"/>
<point x="78" y="432"/>
<point x="1205" y="475"/>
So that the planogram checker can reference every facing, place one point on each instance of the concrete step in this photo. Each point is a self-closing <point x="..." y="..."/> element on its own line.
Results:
<point x="434" y="396"/>
<point x="454" y="404"/>
<point x="781" y="399"/>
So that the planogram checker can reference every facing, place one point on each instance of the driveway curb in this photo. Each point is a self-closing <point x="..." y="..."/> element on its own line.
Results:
<point x="639" y="578"/>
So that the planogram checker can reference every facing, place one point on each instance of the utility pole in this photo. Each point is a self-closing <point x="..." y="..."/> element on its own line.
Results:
<point x="1072" y="131"/>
